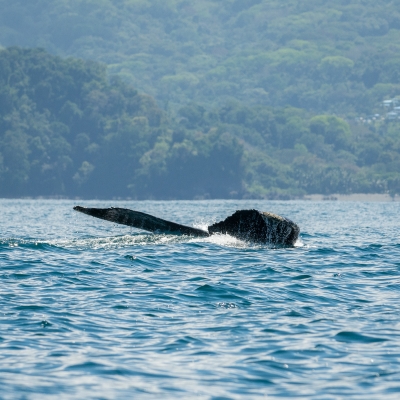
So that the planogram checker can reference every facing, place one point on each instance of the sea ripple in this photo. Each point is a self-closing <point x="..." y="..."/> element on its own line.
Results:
<point x="90" y="309"/>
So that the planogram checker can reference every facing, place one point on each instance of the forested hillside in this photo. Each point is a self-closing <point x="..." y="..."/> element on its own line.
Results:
<point x="205" y="99"/>
<point x="67" y="130"/>
<point x="337" y="56"/>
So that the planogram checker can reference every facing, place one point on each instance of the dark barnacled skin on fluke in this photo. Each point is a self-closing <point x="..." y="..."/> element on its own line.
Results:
<point x="258" y="226"/>
<point x="250" y="225"/>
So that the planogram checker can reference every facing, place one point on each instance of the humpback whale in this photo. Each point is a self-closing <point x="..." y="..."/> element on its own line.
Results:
<point x="249" y="225"/>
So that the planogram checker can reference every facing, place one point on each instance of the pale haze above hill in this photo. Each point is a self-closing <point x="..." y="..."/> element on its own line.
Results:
<point x="326" y="56"/>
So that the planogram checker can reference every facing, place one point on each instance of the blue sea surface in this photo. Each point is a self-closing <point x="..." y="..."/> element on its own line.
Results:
<point x="91" y="309"/>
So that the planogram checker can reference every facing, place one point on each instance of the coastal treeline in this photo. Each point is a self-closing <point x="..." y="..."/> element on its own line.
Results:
<point x="324" y="56"/>
<point x="67" y="129"/>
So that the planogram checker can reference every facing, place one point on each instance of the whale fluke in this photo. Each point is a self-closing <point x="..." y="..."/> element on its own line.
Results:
<point x="258" y="226"/>
<point x="141" y="220"/>
<point x="251" y="225"/>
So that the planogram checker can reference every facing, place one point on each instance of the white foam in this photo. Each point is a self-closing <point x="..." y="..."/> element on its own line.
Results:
<point x="222" y="240"/>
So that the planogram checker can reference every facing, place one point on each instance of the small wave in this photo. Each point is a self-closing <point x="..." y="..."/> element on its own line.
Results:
<point x="299" y="243"/>
<point x="141" y="239"/>
<point x="148" y="239"/>
<point x="222" y="240"/>
<point x="25" y="244"/>
<point x="120" y="241"/>
<point x="349" y="337"/>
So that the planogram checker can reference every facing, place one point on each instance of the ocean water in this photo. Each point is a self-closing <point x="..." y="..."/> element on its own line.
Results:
<point x="91" y="309"/>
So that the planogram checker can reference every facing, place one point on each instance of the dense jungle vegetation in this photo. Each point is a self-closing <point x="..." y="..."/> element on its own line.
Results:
<point x="244" y="98"/>
<point x="65" y="129"/>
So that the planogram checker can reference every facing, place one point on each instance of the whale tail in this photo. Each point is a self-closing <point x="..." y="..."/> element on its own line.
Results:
<point x="251" y="225"/>
<point x="141" y="220"/>
<point x="260" y="227"/>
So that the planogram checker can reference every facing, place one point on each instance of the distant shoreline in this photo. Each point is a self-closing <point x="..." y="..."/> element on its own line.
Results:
<point x="369" y="197"/>
<point x="361" y="197"/>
